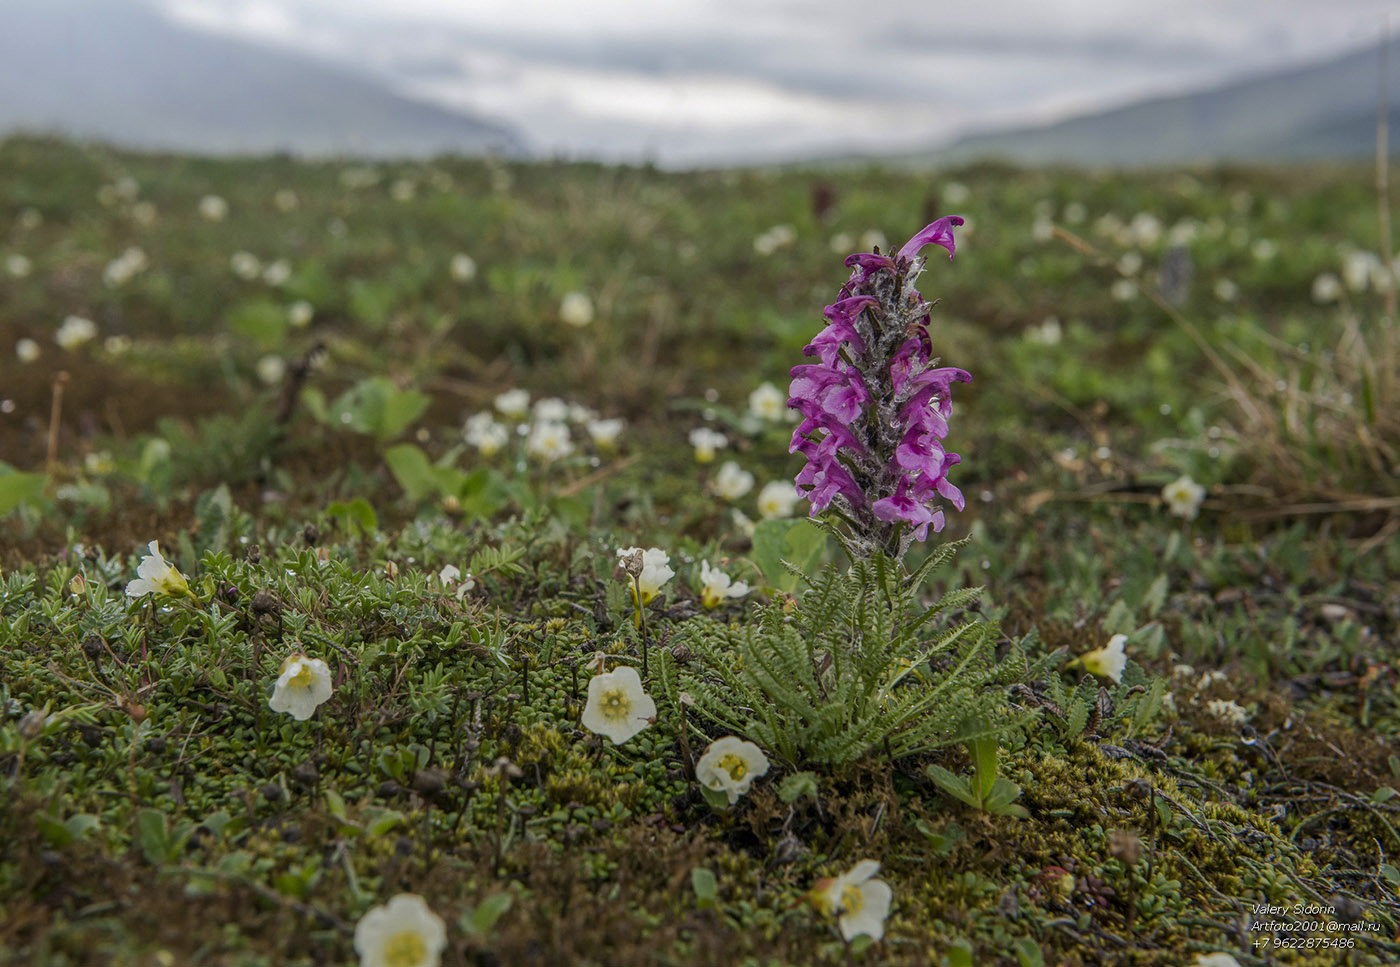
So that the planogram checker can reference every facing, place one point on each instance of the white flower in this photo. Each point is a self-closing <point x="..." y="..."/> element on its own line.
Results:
<point x="300" y="313"/>
<point x="1360" y="269"/>
<point x="778" y="498"/>
<point x="1048" y="333"/>
<point x="706" y="442"/>
<point x="717" y="586"/>
<point x="403" y="190"/>
<point x="1043" y="228"/>
<point x="775" y="238"/>
<point x="1183" y="497"/>
<point x="286" y="200"/>
<point x="1123" y="290"/>
<point x="1184" y="232"/>
<point x="730" y="765"/>
<point x="549" y="441"/>
<point x="617" y="706"/>
<point x="463" y="267"/>
<point x="30" y="219"/>
<point x="74" y="332"/>
<point x="277" y="273"/>
<point x="1130" y="263"/>
<point x="551" y="410"/>
<point x="271" y="369"/>
<point x="402" y="933"/>
<point x="1264" y="249"/>
<point x="576" y="309"/>
<point x="1108" y="661"/>
<point x="859" y="902"/>
<point x="605" y="432"/>
<point x="125" y="267"/>
<point x="18" y="266"/>
<point x="451" y="573"/>
<point x="1228" y="711"/>
<point x="117" y="345"/>
<point x="484" y="433"/>
<point x="245" y="265"/>
<point x="767" y="402"/>
<point x="213" y="208"/>
<point x="578" y="413"/>
<point x="841" y="243"/>
<point x="1226" y="290"/>
<point x="732" y="481"/>
<point x="514" y="403"/>
<point x="143" y="213"/>
<point x="1074" y="213"/>
<point x="156" y="575"/>
<point x="303" y="685"/>
<point x="27" y="351"/>
<point x="656" y="570"/>
<point x="1326" y="288"/>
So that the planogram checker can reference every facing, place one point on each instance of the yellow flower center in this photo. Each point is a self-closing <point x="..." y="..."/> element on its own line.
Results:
<point x="405" y="949"/>
<point x="851" y="900"/>
<point x="735" y="766"/>
<point x="710" y="597"/>
<point x="302" y="679"/>
<point x="614" y="705"/>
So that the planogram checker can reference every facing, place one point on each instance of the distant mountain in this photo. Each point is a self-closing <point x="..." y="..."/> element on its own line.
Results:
<point x="121" y="72"/>
<point x="1323" y="111"/>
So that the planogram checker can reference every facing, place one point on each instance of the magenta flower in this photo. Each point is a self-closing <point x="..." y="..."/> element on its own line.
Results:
<point x="875" y="407"/>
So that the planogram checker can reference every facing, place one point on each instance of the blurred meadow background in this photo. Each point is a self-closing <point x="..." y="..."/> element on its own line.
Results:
<point x="394" y="323"/>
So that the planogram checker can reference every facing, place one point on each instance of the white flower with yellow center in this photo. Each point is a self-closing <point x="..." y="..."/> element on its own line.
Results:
<point x="484" y="433"/>
<point x="463" y="267"/>
<point x="299" y="314"/>
<point x="718" y="586"/>
<point x="301" y="688"/>
<point x="514" y="403"/>
<point x="706" y="442"/>
<point x="656" y="570"/>
<point x="18" y="265"/>
<point x="859" y="902"/>
<point x="402" y="933"/>
<point x="27" y="351"/>
<point x="576" y="309"/>
<point x="551" y="409"/>
<point x="778" y="498"/>
<point x="549" y="441"/>
<point x="605" y="432"/>
<point x="213" y="208"/>
<point x="245" y="265"/>
<point x="1183" y="497"/>
<point x="730" y="765"/>
<point x="74" y="332"/>
<point x="156" y="575"/>
<point x="1108" y="661"/>
<point x="767" y="402"/>
<point x="617" y="706"/>
<point x="732" y="481"/>
<point x="271" y="369"/>
<point x="1326" y="288"/>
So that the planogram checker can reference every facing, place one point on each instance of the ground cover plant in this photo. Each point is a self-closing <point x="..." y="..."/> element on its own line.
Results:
<point x="411" y="563"/>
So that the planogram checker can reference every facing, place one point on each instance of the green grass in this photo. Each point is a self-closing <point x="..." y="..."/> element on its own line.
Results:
<point x="165" y="814"/>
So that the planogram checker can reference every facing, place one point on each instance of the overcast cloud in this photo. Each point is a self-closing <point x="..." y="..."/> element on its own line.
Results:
<point x="695" y="81"/>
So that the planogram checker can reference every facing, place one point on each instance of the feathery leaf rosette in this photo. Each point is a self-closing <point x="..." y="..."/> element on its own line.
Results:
<point x="875" y="406"/>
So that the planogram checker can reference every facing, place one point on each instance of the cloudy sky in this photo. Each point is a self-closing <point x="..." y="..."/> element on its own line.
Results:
<point x="695" y="81"/>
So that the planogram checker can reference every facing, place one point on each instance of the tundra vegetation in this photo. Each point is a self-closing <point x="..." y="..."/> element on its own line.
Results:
<point x="403" y="563"/>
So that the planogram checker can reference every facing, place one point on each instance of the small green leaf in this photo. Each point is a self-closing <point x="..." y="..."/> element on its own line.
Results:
<point x="959" y="954"/>
<point x="489" y="911"/>
<point x="799" y="542"/>
<point x="411" y="468"/>
<point x="1028" y="953"/>
<point x="17" y="488"/>
<point x="1383" y="794"/>
<point x="153" y="835"/>
<point x="54" y="832"/>
<point x="705" y="885"/>
<point x="797" y="785"/>
<point x="383" y="821"/>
